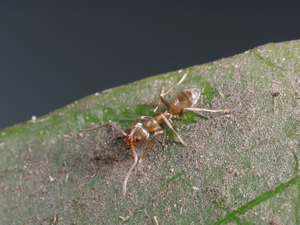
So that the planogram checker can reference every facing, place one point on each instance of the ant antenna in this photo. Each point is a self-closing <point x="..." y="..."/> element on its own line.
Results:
<point x="94" y="170"/>
<point x="130" y="170"/>
<point x="86" y="130"/>
<point x="179" y="82"/>
<point x="98" y="127"/>
<point x="128" y="174"/>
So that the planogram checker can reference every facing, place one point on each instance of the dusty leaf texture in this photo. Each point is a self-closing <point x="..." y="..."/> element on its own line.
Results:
<point x="238" y="168"/>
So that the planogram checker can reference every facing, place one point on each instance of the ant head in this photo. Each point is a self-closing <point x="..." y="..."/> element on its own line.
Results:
<point x="136" y="135"/>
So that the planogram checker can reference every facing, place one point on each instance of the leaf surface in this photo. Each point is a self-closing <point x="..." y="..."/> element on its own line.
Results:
<point x="241" y="168"/>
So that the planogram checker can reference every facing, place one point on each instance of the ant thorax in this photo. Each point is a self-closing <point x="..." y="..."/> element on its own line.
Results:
<point x="136" y="135"/>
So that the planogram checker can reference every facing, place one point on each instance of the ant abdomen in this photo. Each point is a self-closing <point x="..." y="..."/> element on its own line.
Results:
<point x="185" y="99"/>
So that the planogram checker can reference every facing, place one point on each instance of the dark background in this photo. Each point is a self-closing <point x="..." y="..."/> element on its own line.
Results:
<point x="55" y="52"/>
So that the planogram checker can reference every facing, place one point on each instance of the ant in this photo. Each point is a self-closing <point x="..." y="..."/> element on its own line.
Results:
<point x="137" y="133"/>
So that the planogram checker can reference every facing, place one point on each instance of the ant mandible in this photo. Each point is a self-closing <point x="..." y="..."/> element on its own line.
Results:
<point x="137" y="133"/>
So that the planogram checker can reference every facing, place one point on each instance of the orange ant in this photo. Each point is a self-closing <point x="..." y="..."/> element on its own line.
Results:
<point x="137" y="133"/>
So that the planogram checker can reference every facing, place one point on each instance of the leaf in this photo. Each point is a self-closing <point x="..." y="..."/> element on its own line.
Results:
<point x="238" y="168"/>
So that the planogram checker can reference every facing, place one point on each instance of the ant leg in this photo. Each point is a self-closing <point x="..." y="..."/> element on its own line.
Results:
<point x="157" y="132"/>
<point x="98" y="127"/>
<point x="179" y="82"/>
<point x="156" y="106"/>
<point x="165" y="102"/>
<point x="130" y="170"/>
<point x="169" y="125"/>
<point x="162" y="94"/>
<point x="203" y="110"/>
<point x="137" y="120"/>
<point x="159" y="112"/>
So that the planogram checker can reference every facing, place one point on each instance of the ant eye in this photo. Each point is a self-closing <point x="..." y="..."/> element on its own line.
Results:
<point x="137" y="139"/>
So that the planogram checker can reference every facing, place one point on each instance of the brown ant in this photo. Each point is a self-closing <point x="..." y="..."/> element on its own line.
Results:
<point x="137" y="133"/>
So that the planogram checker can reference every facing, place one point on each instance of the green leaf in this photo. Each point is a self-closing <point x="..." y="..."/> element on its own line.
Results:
<point x="240" y="168"/>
